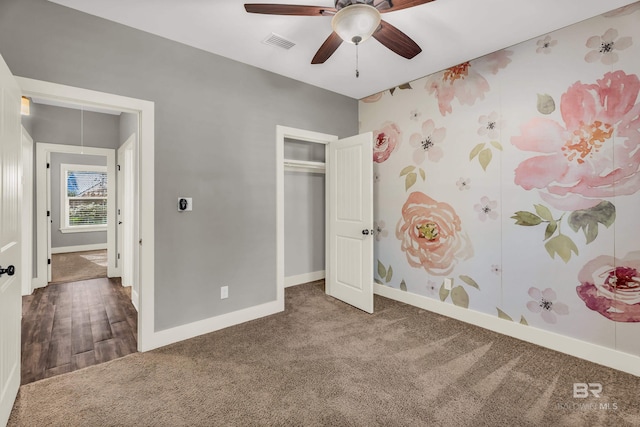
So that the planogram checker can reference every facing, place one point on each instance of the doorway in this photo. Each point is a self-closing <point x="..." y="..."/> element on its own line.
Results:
<point x="349" y="213"/>
<point x="143" y="234"/>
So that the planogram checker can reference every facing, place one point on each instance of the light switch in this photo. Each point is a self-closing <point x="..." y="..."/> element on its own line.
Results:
<point x="185" y="204"/>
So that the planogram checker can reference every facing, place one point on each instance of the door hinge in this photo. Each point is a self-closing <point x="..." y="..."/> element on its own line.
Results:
<point x="118" y="168"/>
<point x="48" y="165"/>
<point x="49" y="261"/>
<point x="140" y="242"/>
<point x="48" y="213"/>
<point x="118" y="256"/>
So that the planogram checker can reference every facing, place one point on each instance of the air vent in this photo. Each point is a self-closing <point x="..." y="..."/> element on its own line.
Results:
<point x="276" y="40"/>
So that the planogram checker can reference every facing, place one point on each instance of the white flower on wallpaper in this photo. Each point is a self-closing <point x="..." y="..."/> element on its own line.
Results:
<point x="465" y="82"/>
<point x="415" y="115"/>
<point x="486" y="209"/>
<point x="463" y="183"/>
<point x="605" y="47"/>
<point x="427" y="144"/>
<point x="380" y="229"/>
<point x="496" y="269"/>
<point x="490" y="125"/>
<point x="545" y="45"/>
<point x="544" y="303"/>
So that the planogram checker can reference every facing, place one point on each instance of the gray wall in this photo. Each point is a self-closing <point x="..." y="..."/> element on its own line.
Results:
<point x="57" y="125"/>
<point x="59" y="239"/>
<point x="221" y="154"/>
<point x="128" y="126"/>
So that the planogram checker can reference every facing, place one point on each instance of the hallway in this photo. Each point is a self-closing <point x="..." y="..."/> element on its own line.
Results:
<point x="70" y="326"/>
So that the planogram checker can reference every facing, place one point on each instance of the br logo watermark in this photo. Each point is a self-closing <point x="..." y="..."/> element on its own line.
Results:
<point x="584" y="390"/>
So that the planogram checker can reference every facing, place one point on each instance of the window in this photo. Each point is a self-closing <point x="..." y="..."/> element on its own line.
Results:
<point x="84" y="198"/>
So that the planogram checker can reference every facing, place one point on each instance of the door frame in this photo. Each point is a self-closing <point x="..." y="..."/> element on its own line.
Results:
<point x="26" y="193"/>
<point x="147" y="337"/>
<point x="43" y="194"/>
<point x="282" y="133"/>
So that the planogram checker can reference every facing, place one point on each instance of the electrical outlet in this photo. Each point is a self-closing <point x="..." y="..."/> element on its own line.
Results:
<point x="448" y="283"/>
<point x="224" y="292"/>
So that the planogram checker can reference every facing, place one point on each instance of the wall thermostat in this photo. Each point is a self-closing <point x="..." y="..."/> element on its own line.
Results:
<point x="185" y="204"/>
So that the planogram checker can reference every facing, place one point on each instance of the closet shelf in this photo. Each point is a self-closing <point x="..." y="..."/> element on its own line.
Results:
<point x="303" y="166"/>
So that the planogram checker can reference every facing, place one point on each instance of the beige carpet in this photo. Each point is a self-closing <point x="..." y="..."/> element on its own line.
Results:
<point x="76" y="266"/>
<point x="322" y="362"/>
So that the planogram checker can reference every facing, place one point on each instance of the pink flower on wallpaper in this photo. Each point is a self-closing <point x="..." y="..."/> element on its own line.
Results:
<point x="579" y="164"/>
<point x="373" y="98"/>
<point x="605" y="47"/>
<point x="545" y="45"/>
<point x="431" y="235"/>
<point x="490" y="125"/>
<point x="611" y="286"/>
<point x="544" y="302"/>
<point x="427" y="143"/>
<point x="415" y="114"/>
<point x="486" y="209"/>
<point x="624" y="10"/>
<point x="466" y="81"/>
<point x="386" y="140"/>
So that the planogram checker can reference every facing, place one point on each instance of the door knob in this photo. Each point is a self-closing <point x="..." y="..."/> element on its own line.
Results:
<point x="366" y="232"/>
<point x="11" y="270"/>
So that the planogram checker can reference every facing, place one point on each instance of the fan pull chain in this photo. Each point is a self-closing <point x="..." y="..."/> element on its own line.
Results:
<point x="357" y="71"/>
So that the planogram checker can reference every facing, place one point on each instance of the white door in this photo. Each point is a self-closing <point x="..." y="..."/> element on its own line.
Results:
<point x="349" y="274"/>
<point x="10" y="284"/>
<point x="125" y="212"/>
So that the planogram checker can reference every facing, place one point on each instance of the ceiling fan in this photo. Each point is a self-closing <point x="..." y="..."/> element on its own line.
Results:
<point x="353" y="21"/>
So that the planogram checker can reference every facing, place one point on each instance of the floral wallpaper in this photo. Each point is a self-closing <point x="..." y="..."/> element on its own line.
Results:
<point x="515" y="177"/>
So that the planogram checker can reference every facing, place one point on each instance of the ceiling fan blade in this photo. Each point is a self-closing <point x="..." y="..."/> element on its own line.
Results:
<point x="329" y="46"/>
<point x="289" y="9"/>
<point x="404" y="4"/>
<point x="396" y="40"/>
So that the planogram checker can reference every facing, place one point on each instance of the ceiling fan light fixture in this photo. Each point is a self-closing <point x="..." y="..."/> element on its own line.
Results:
<point x="356" y="23"/>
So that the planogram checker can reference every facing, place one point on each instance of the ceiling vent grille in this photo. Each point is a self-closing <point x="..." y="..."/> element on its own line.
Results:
<point x="276" y="40"/>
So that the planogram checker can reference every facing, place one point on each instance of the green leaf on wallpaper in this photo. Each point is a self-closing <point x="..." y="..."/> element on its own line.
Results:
<point x="476" y="150"/>
<point x="403" y="286"/>
<point x="393" y="89"/>
<point x="469" y="281"/>
<point x="378" y="281"/>
<point x="497" y="145"/>
<point x="405" y="86"/>
<point x="406" y="170"/>
<point x="460" y="297"/>
<point x="526" y="218"/>
<point x="523" y="321"/>
<point x="551" y="228"/>
<point x="561" y="245"/>
<point x="546" y="104"/>
<point x="444" y="293"/>
<point x="423" y="174"/>
<point x="543" y="212"/>
<point x="588" y="219"/>
<point x="485" y="157"/>
<point x="389" y="275"/>
<point x="410" y="180"/>
<point x="382" y="272"/>
<point x="503" y="315"/>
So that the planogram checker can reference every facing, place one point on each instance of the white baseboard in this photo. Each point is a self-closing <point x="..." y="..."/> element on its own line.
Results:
<point x="564" y="344"/>
<point x="135" y="297"/>
<point x="79" y="248"/>
<point x="212" y="324"/>
<point x="303" y="278"/>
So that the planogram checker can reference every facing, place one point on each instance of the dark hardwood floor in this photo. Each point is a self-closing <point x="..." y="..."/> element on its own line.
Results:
<point x="70" y="326"/>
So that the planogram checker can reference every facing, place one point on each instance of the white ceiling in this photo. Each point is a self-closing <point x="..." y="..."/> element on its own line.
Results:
<point x="448" y="31"/>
